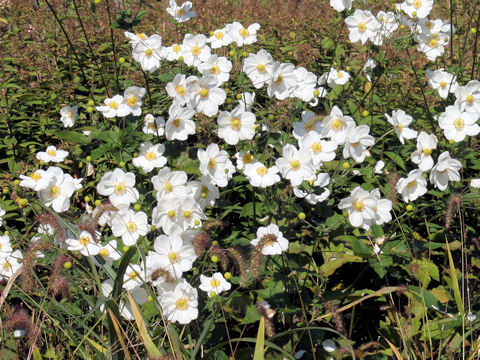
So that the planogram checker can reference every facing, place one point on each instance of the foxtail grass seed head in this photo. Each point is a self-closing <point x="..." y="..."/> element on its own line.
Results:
<point x="453" y="204"/>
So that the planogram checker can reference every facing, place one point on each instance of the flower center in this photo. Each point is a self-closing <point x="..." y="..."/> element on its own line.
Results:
<point x="6" y="266"/>
<point x="215" y="283"/>
<point x="469" y="99"/>
<point x="70" y="114"/>
<point x="141" y="36"/>
<point x="180" y="90"/>
<point x="340" y="74"/>
<point x="279" y="80"/>
<point x="181" y="304"/>
<point x="433" y="43"/>
<point x="35" y="176"/>
<point x="411" y="184"/>
<point x="84" y="240"/>
<point x="181" y="12"/>
<point x="212" y="163"/>
<point x="337" y="124"/>
<point x="358" y="205"/>
<point x="429" y="24"/>
<point x="152" y="126"/>
<point x="427" y="152"/>
<point x="247" y="158"/>
<point x="203" y="92"/>
<point x="173" y="257"/>
<point x="133" y="274"/>
<point x="52" y="152"/>
<point x="295" y="164"/>
<point x="54" y="191"/>
<point x="219" y="35"/>
<point x="148" y="52"/>
<point x="399" y="127"/>
<point x="150" y="156"/>
<point x="261" y="68"/>
<point x="171" y="213"/>
<point x="120" y="188"/>
<point x="355" y="144"/>
<point x="177" y="48"/>
<point x="196" y="50"/>
<point x="417" y="4"/>
<point x="132" y="227"/>
<point x="113" y="105"/>
<point x="168" y="187"/>
<point x="262" y="170"/>
<point x="215" y="70"/>
<point x="204" y="191"/>
<point x="244" y="32"/>
<point x="104" y="252"/>
<point x="132" y="101"/>
<point x="235" y="123"/>
<point x="177" y="122"/>
<point x="362" y="26"/>
<point x="443" y="84"/>
<point x="459" y="124"/>
<point x="187" y="214"/>
<point x="316" y="147"/>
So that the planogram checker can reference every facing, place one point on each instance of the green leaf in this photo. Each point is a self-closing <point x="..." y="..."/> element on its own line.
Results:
<point x="260" y="344"/>
<point x="73" y="136"/>
<point x="397" y="159"/>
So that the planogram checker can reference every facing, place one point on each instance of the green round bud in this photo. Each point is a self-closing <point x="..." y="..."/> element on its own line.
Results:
<point x="87" y="198"/>
<point x="97" y="1"/>
<point x="125" y="248"/>
<point x="214" y="258"/>
<point x="98" y="202"/>
<point x="153" y="227"/>
<point x="137" y="207"/>
<point x="5" y="190"/>
<point x="231" y="53"/>
<point x="302" y="216"/>
<point x="213" y="294"/>
<point x="41" y="162"/>
<point x="348" y="68"/>
<point x="6" y="232"/>
<point x="16" y="181"/>
<point x="473" y="30"/>
<point x="67" y="265"/>
<point x="196" y="222"/>
<point x="345" y="213"/>
<point x="181" y="58"/>
<point x="22" y="202"/>
<point x="239" y="96"/>
<point x="90" y="109"/>
<point x="409" y="207"/>
<point x="316" y="92"/>
<point x="227" y="275"/>
<point x="121" y="60"/>
<point x="214" y="243"/>
<point x="121" y="164"/>
<point x="346" y="165"/>
<point x="91" y="102"/>
<point x="150" y="298"/>
<point x="271" y="117"/>
<point x="365" y="113"/>
<point x="88" y="158"/>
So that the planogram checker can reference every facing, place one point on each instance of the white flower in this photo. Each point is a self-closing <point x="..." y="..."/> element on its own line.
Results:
<point x="360" y="206"/>
<point x="2" y="212"/>
<point x="469" y="96"/>
<point x="119" y="187"/>
<point x="306" y="84"/>
<point x="177" y="89"/>
<point x="475" y="183"/>
<point x="295" y="165"/>
<point x="10" y="264"/>
<point x="310" y="122"/>
<point x="132" y="97"/>
<point x="195" y="49"/>
<point x="181" y="13"/>
<point x="235" y="126"/>
<point x="457" y="124"/>
<point x="37" y="180"/>
<point x="135" y="37"/>
<point x="388" y="23"/>
<point x="214" y="284"/>
<point x="362" y="26"/>
<point x="444" y="170"/>
<point x="443" y="81"/>
<point x="423" y="155"/>
<point x="204" y="192"/>
<point x="108" y="252"/>
<point x="413" y="186"/>
<point x="68" y="115"/>
<point x="273" y="242"/>
<point x="84" y="243"/>
<point x="179" y="124"/>
<point x="242" y="35"/>
<point x="173" y="52"/>
<point x="207" y="96"/>
<point x="382" y="208"/>
<point x="153" y="125"/>
<point x="173" y="254"/>
<point x="400" y="122"/>
<point x="133" y="277"/>
<point x="247" y="100"/>
<point x="379" y="167"/>
<point x="130" y="225"/>
<point x="337" y="77"/>
<point x="321" y="150"/>
<point x="416" y="8"/>
<point x="179" y="304"/>
<point x="356" y="142"/>
<point x="244" y="158"/>
<point x="283" y="81"/>
<point x="218" y="66"/>
<point x="150" y="157"/>
<point x="169" y="182"/>
<point x="52" y="154"/>
<point x="329" y="345"/>
<point x="5" y="246"/>
<point x="114" y="107"/>
<point x="149" y="52"/>
<point x="260" y="176"/>
<point x="59" y="190"/>
<point x="258" y="68"/>
<point x="220" y="38"/>
<point x="340" y="5"/>
<point x="215" y="164"/>
<point x="335" y="125"/>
